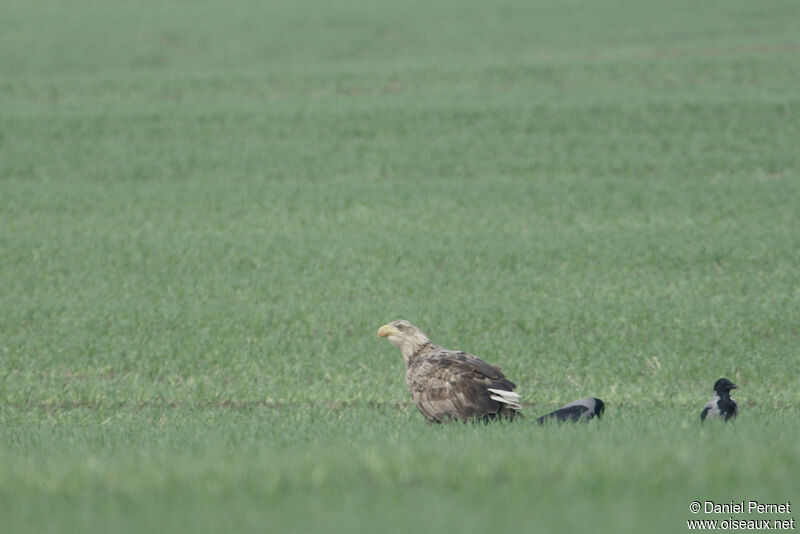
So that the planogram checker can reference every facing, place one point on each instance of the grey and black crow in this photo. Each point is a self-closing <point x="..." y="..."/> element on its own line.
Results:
<point x="579" y="410"/>
<point x="722" y="406"/>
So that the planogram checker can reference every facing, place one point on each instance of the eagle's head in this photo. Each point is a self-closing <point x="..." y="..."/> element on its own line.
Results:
<point x="405" y="336"/>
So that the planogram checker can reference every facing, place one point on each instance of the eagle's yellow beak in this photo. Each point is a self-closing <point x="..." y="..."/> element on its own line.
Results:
<point x="387" y="330"/>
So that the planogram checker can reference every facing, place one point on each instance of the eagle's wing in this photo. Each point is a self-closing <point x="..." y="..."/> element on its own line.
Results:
<point x="456" y="385"/>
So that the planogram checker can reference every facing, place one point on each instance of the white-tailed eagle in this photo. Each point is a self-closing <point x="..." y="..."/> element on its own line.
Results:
<point x="448" y="384"/>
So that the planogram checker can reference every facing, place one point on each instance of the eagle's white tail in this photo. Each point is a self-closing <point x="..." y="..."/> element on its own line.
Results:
<point x="506" y="397"/>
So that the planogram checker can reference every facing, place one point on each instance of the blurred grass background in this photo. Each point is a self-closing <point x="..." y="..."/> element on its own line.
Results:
<point x="206" y="211"/>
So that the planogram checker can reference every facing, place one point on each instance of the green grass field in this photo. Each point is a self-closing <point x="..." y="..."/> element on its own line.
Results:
<point x="207" y="210"/>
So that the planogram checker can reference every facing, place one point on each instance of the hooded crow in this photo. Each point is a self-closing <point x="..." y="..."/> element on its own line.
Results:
<point x="579" y="410"/>
<point x="722" y="406"/>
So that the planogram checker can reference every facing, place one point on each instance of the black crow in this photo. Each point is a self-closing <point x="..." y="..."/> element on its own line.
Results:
<point x="722" y="406"/>
<point x="579" y="410"/>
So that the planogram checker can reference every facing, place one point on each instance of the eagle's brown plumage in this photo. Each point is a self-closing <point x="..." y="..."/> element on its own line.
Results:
<point x="447" y="384"/>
